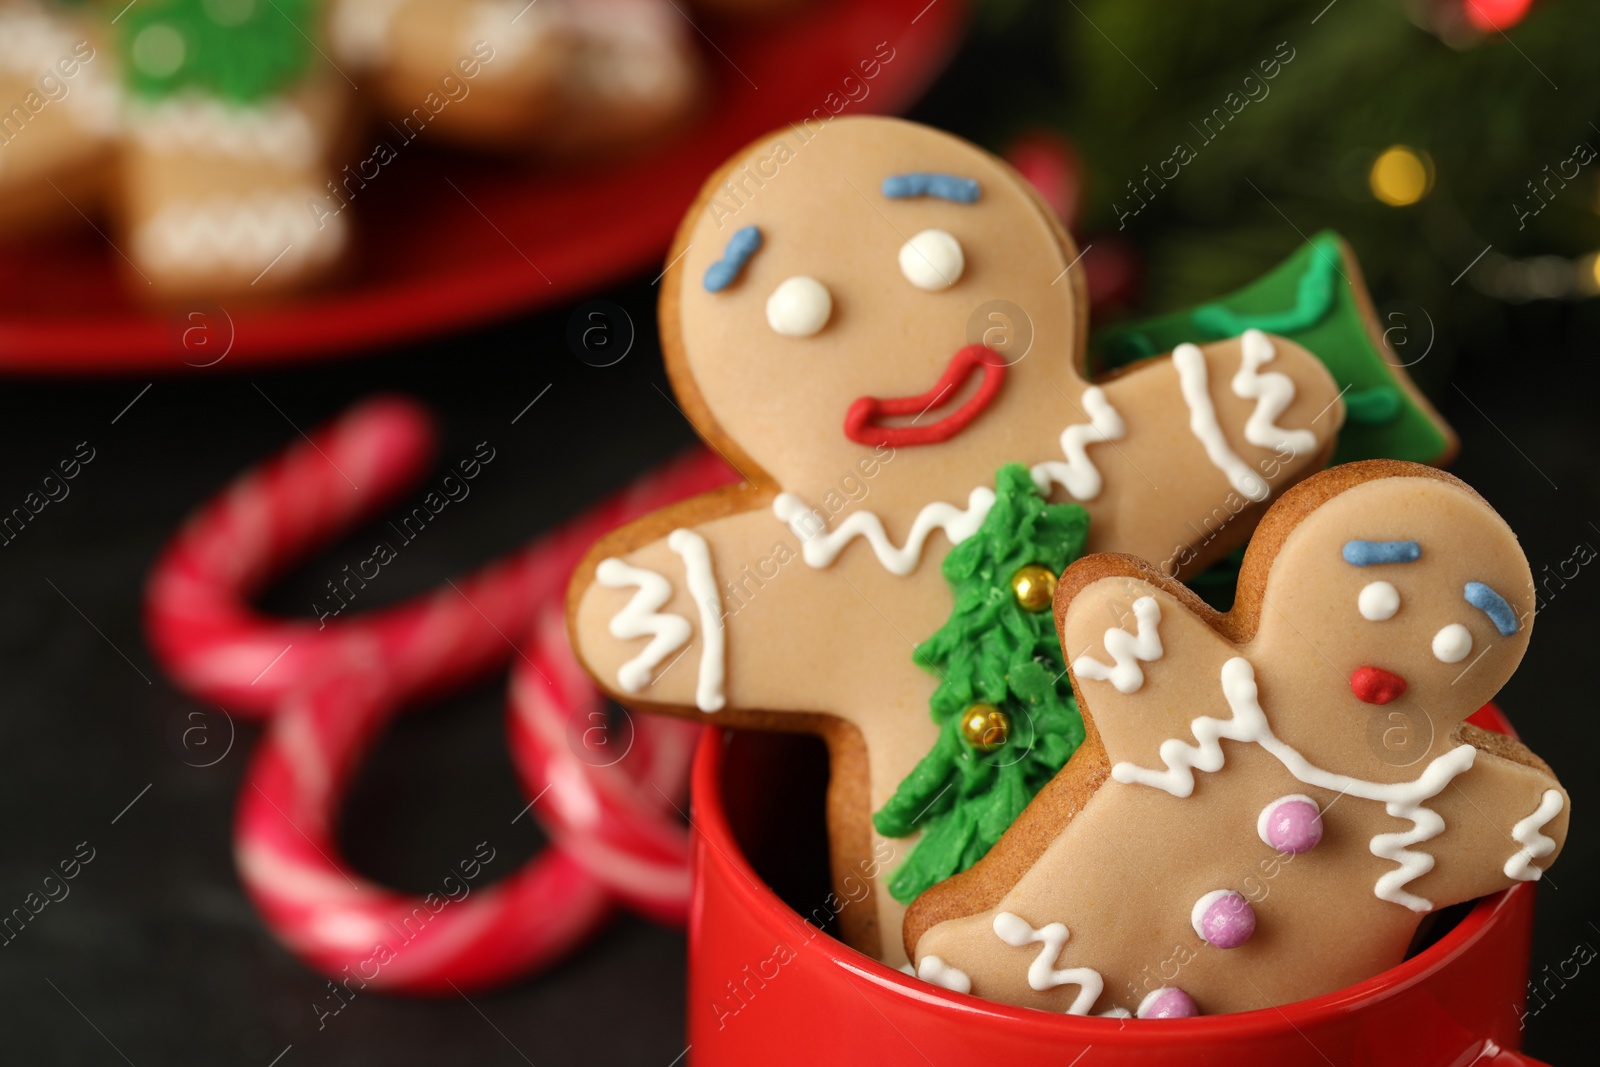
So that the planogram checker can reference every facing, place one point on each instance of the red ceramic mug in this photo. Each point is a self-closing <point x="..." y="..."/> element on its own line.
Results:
<point x="767" y="987"/>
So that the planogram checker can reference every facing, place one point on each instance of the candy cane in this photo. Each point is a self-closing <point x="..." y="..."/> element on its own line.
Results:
<point x="611" y="811"/>
<point x="214" y="644"/>
<point x="331" y="689"/>
<point x="356" y="931"/>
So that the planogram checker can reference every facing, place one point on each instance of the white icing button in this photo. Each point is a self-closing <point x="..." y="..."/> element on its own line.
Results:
<point x="799" y="307"/>
<point x="932" y="260"/>
<point x="1451" y="644"/>
<point x="1378" y="601"/>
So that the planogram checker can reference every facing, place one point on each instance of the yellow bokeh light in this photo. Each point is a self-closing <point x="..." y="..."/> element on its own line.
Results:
<point x="1589" y="274"/>
<point x="1400" y="176"/>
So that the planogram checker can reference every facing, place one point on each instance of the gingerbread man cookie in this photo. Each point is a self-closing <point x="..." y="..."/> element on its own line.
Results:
<point x="555" y="77"/>
<point x="1268" y="801"/>
<point x="817" y="316"/>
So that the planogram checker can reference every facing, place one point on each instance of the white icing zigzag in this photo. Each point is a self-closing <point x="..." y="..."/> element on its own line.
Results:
<point x="1402" y="800"/>
<point x="1535" y="845"/>
<point x="1042" y="973"/>
<point x="238" y="233"/>
<point x="642" y="617"/>
<point x="820" y="546"/>
<point x="1078" y="475"/>
<point x="276" y="132"/>
<point x="702" y="582"/>
<point x="1127" y="650"/>
<point x="1273" y="393"/>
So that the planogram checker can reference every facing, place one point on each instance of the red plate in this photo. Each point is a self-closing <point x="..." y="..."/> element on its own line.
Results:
<point x="432" y="257"/>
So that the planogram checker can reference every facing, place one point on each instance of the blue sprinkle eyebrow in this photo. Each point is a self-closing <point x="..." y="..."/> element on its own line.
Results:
<point x="943" y="186"/>
<point x="1493" y="605"/>
<point x="741" y="246"/>
<point x="1370" y="553"/>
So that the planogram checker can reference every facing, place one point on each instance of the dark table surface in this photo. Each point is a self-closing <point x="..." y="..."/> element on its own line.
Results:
<point x="156" y="957"/>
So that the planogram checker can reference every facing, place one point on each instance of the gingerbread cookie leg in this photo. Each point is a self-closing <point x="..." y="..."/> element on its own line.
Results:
<point x="58" y="80"/>
<point x="1237" y="832"/>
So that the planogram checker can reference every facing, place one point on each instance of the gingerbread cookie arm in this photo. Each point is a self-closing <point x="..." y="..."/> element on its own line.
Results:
<point x="649" y="595"/>
<point x="1250" y="416"/>
<point x="1507" y="820"/>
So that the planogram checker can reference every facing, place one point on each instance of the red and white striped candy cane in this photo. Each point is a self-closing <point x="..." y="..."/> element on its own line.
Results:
<point x="213" y="643"/>
<point x="611" y="788"/>
<point x="330" y="689"/>
<point x="348" y="927"/>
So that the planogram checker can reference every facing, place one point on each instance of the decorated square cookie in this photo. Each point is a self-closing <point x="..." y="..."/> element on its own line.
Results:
<point x="232" y="122"/>
<point x="1268" y="802"/>
<point x="869" y="319"/>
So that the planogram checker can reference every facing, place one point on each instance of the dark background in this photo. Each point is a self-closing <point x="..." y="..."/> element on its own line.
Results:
<point x="157" y="957"/>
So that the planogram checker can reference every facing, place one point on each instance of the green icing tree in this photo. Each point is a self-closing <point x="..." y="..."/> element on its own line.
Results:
<point x="242" y="51"/>
<point x="990" y="651"/>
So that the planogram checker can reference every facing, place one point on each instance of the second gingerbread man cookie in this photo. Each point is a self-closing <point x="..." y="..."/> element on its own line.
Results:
<point x="818" y="319"/>
<point x="1268" y="801"/>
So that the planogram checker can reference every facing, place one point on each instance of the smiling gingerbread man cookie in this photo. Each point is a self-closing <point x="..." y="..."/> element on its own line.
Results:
<point x="1269" y="801"/>
<point x="818" y="316"/>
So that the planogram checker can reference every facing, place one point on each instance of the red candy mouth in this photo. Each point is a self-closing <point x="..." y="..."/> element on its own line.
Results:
<point x="1375" y="685"/>
<point x="859" y="420"/>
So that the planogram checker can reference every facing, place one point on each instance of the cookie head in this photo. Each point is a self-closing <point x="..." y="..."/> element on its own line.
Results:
<point x="1403" y="592"/>
<point x="870" y="284"/>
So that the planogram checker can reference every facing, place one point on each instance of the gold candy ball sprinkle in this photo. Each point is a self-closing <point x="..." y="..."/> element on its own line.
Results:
<point x="1034" y="587"/>
<point x="985" y="727"/>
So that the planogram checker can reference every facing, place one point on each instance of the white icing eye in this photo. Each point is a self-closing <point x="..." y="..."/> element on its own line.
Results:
<point x="1451" y="644"/>
<point x="1378" y="601"/>
<point x="799" y="307"/>
<point x="932" y="260"/>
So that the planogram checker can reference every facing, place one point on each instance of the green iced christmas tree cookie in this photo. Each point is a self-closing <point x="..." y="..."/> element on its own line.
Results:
<point x="1315" y="298"/>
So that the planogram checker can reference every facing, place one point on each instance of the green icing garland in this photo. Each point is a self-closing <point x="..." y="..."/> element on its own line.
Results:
<point x="1308" y="300"/>
<point x="990" y="650"/>
<point x="242" y="51"/>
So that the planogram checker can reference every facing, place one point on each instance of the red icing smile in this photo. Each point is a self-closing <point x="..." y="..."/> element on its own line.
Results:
<point x="1376" y="685"/>
<point x="858" y="421"/>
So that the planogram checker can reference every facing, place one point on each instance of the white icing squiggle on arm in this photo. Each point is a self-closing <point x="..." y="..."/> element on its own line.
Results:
<point x="1191" y="365"/>
<point x="1273" y="393"/>
<point x="1078" y="475"/>
<point x="1403" y="800"/>
<point x="820" y="546"/>
<point x="1535" y="845"/>
<point x="1127" y="650"/>
<point x="696" y="556"/>
<point x="642" y="617"/>
<point x="1042" y="973"/>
